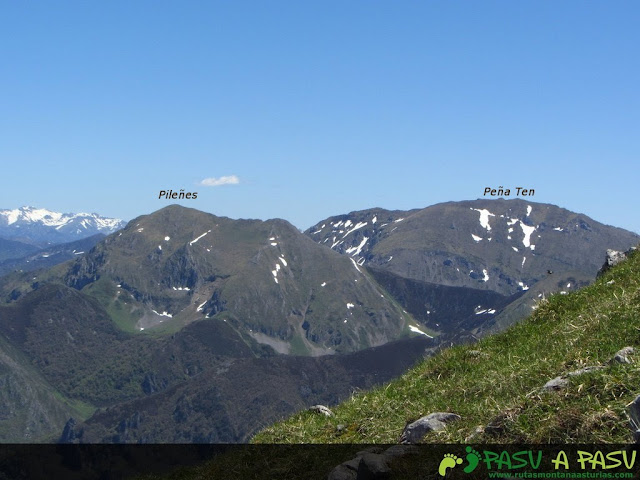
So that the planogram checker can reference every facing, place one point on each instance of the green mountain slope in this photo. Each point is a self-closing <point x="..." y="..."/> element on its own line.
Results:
<point x="10" y="249"/>
<point x="231" y="402"/>
<point x="270" y="282"/>
<point x="31" y="408"/>
<point x="48" y="256"/>
<point x="496" y="385"/>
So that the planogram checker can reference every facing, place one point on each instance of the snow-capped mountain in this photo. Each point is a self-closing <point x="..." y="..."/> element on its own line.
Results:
<point x="500" y="245"/>
<point x="42" y="226"/>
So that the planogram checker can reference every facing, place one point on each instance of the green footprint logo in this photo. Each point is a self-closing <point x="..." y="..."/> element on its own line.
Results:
<point x="473" y="457"/>
<point x="449" y="461"/>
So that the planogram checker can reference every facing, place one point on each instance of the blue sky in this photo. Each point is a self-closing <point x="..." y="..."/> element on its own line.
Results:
<point x="319" y="108"/>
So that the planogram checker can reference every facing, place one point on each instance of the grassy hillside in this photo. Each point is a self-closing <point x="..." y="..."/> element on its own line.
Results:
<point x="32" y="409"/>
<point x="496" y="385"/>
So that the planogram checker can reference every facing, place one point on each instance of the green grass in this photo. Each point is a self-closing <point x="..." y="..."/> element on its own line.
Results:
<point x="82" y="410"/>
<point x="120" y="311"/>
<point x="498" y="380"/>
<point x="298" y="346"/>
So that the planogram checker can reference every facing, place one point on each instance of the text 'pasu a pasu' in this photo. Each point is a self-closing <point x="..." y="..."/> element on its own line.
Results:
<point x="171" y="195"/>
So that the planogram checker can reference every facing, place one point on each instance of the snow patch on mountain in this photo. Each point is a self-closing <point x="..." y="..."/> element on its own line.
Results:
<point x="358" y="249"/>
<point x="358" y="225"/>
<point x="417" y="330"/>
<point x="484" y="217"/>
<point x="355" y="264"/>
<point x="198" y="238"/>
<point x="527" y="230"/>
<point x="275" y="272"/>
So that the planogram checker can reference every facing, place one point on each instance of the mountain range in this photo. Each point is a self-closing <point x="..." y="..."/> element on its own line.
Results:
<point x="519" y="250"/>
<point x="41" y="227"/>
<point x="184" y="326"/>
<point x="499" y="245"/>
<point x="33" y="238"/>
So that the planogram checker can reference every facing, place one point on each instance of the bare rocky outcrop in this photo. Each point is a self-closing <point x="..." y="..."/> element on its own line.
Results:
<point x="375" y="463"/>
<point x="613" y="258"/>
<point x="415" y="431"/>
<point x="622" y="355"/>
<point x="555" y="384"/>
<point x="562" y="381"/>
<point x="322" y="410"/>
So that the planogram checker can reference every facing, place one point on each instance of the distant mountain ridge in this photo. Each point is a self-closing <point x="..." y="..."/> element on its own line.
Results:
<point x="11" y="249"/>
<point x="500" y="245"/>
<point x="518" y="249"/>
<point x="44" y="257"/>
<point x="40" y="226"/>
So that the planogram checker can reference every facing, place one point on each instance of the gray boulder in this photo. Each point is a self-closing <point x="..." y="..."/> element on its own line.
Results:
<point x="593" y="368"/>
<point x="414" y="432"/>
<point x="321" y="409"/>
<point x="561" y="382"/>
<point x="555" y="384"/>
<point x="622" y="356"/>
<point x="613" y="258"/>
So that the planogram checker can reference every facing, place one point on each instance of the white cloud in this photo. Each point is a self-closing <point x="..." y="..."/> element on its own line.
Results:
<point x="216" y="182"/>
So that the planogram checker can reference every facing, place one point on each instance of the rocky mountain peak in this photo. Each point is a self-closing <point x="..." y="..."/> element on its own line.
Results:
<point x="500" y="245"/>
<point x="43" y="226"/>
